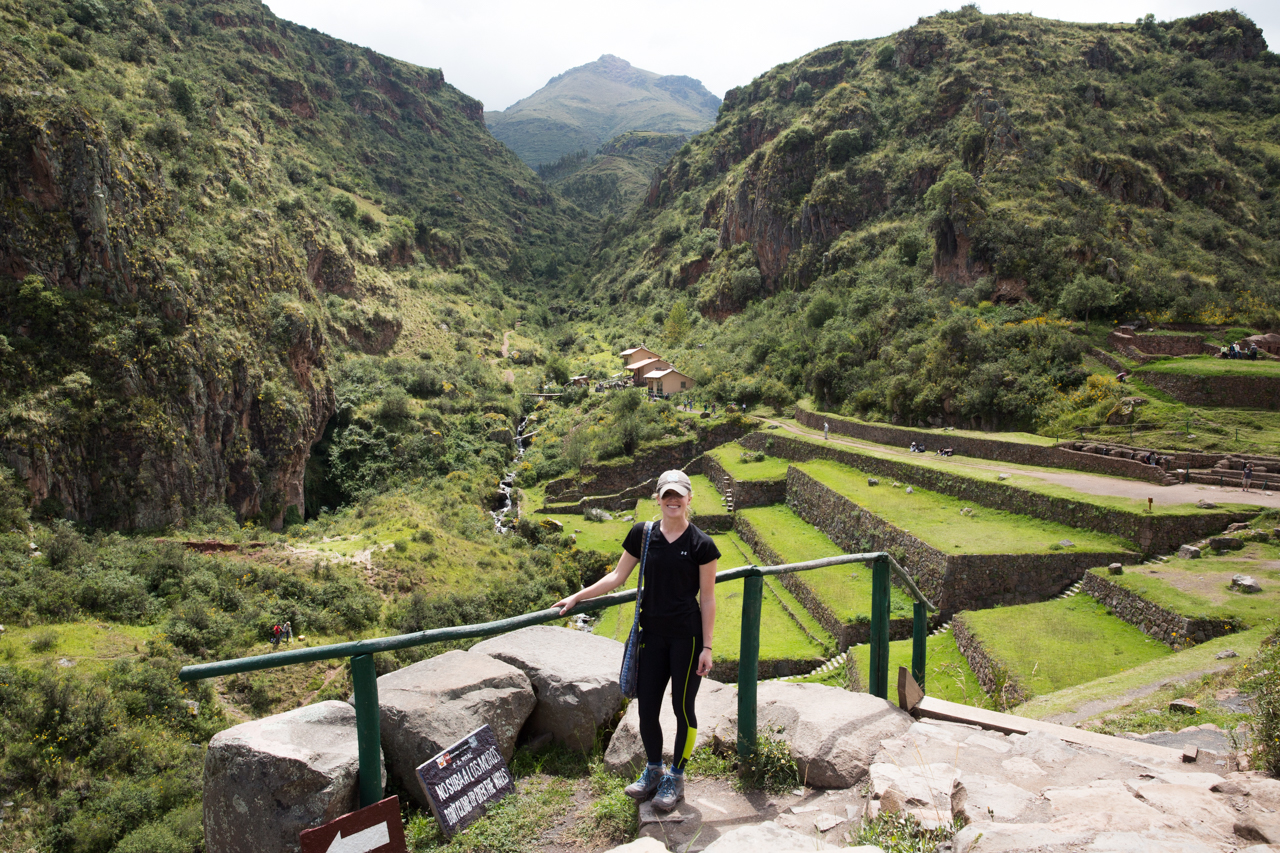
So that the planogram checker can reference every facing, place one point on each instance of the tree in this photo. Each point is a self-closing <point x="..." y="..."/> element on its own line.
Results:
<point x="677" y="325"/>
<point x="1087" y="293"/>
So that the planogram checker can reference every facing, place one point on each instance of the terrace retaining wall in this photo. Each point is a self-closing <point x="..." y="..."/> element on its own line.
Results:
<point x="615" y="476"/>
<point x="1250" y="392"/>
<point x="746" y="493"/>
<point x="1153" y="533"/>
<point x="985" y="448"/>
<point x="1172" y="629"/>
<point x="994" y="677"/>
<point x="953" y="582"/>
<point x="844" y="633"/>
<point x="1121" y="340"/>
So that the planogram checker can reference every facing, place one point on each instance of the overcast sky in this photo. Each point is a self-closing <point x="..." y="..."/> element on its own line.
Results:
<point x="503" y="50"/>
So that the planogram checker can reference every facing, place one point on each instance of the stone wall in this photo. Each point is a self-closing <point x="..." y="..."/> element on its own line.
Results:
<point x="614" y="476"/>
<point x="1122" y="339"/>
<point x="952" y="582"/>
<point x="994" y="677"/>
<point x="845" y="634"/>
<point x="745" y="492"/>
<point x="1248" y="392"/>
<point x="1153" y="533"/>
<point x="1172" y="629"/>
<point x="726" y="671"/>
<point x="1015" y="452"/>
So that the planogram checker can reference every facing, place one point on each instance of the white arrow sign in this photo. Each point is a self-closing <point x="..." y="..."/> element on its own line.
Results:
<point x="362" y="841"/>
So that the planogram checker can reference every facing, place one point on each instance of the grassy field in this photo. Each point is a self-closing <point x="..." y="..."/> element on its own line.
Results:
<point x="935" y="436"/>
<point x="730" y="458"/>
<point x="1207" y="365"/>
<point x="88" y="646"/>
<point x="846" y="590"/>
<point x="780" y="637"/>
<point x="947" y="673"/>
<point x="1183" y="665"/>
<point x="936" y="519"/>
<point x="1202" y="588"/>
<point x="1061" y="643"/>
<point x="981" y="469"/>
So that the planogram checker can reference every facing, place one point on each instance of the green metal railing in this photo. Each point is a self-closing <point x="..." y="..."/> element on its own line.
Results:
<point x="365" y="682"/>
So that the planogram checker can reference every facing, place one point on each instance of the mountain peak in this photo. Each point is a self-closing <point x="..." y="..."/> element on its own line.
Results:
<point x="586" y="106"/>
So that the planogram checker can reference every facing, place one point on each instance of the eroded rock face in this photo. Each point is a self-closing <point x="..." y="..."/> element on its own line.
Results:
<point x="833" y="733"/>
<point x="267" y="780"/>
<point x="574" y="676"/>
<point x="430" y="705"/>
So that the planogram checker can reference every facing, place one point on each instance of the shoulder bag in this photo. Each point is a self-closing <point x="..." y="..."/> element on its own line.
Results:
<point x="628" y="678"/>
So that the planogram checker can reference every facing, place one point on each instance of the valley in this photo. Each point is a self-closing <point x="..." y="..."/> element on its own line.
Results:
<point x="294" y="331"/>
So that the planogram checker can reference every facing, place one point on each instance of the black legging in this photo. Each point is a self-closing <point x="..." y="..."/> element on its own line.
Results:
<point x="664" y="659"/>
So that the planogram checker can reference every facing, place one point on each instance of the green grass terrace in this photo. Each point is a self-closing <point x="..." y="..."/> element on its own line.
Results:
<point x="742" y="464"/>
<point x="1202" y="588"/>
<point x="1058" y="644"/>
<point x="936" y="519"/>
<point x="1210" y="366"/>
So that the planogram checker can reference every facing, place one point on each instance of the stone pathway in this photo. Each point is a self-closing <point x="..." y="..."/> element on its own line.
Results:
<point x="1018" y="793"/>
<point x="1092" y="484"/>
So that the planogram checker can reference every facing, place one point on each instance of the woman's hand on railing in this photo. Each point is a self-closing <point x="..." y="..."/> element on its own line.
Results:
<point x="564" y="605"/>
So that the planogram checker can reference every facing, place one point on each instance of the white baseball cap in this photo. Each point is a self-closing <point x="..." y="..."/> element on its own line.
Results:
<point x="676" y="481"/>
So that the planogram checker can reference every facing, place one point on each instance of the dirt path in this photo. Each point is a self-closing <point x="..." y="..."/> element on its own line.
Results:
<point x="506" y="343"/>
<point x="1093" y="484"/>
<point x="1101" y="706"/>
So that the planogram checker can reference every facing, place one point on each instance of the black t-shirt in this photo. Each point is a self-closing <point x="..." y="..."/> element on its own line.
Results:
<point x="671" y="579"/>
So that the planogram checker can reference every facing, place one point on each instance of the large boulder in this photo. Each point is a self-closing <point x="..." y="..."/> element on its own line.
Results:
<point x="433" y="704"/>
<point x="267" y="780"/>
<point x="574" y="676"/>
<point x="717" y="711"/>
<point x="833" y="733"/>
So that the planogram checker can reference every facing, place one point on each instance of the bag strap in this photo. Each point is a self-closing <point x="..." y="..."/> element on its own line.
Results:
<point x="644" y="554"/>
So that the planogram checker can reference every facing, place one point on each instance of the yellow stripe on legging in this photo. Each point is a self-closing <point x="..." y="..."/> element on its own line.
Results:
<point x="684" y="706"/>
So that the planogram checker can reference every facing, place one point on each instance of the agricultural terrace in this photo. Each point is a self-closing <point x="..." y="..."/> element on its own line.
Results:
<point x="946" y="671"/>
<point x="1210" y="366"/>
<point x="988" y="471"/>
<point x="1057" y="644"/>
<point x="743" y="464"/>
<point x="780" y="637"/>
<point x="845" y="590"/>
<point x="937" y="437"/>
<point x="936" y="519"/>
<point x="1202" y="588"/>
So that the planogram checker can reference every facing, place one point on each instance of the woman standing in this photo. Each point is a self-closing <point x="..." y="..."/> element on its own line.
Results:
<point x="677" y="621"/>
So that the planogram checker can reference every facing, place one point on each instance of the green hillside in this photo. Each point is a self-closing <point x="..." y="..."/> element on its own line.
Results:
<point x="587" y="106"/>
<point x="912" y="227"/>
<point x="618" y="177"/>
<point x="204" y="209"/>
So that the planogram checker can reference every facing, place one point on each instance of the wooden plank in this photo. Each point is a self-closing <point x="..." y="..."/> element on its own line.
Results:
<point x="940" y="709"/>
<point x="909" y="692"/>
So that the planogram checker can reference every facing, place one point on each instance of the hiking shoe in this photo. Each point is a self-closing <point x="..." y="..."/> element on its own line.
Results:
<point x="643" y="788"/>
<point x="670" y="792"/>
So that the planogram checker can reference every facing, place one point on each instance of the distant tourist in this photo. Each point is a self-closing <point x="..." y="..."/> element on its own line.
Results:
<point x="286" y="633"/>
<point x="275" y="634"/>
<point x="677" y="620"/>
<point x="826" y="430"/>
<point x="1246" y="475"/>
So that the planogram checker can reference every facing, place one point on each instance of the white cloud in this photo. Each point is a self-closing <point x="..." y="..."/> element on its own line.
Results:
<point x="502" y="50"/>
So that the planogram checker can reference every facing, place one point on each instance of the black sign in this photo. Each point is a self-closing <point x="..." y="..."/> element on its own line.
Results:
<point x="463" y="780"/>
<point x="372" y="829"/>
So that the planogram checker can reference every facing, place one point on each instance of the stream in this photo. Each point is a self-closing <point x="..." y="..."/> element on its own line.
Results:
<point x="508" y="482"/>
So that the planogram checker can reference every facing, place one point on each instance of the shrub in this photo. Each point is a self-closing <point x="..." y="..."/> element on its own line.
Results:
<point x="1265" y="685"/>
<point x="44" y="641"/>
<point x="771" y="769"/>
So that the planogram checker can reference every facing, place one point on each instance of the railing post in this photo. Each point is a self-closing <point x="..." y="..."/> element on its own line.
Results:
<point x="749" y="663"/>
<point x="919" y="633"/>
<point x="368" y="728"/>
<point x="879" y="675"/>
